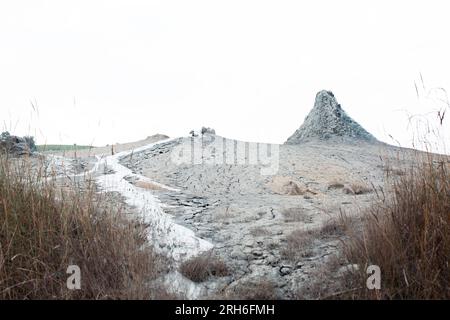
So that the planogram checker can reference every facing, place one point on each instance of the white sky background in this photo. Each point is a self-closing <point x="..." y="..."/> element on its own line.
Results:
<point x="103" y="72"/>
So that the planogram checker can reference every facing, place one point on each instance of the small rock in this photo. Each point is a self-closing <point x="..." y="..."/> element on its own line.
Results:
<point x="238" y="254"/>
<point x="272" y="260"/>
<point x="249" y="243"/>
<point x="257" y="253"/>
<point x="285" y="270"/>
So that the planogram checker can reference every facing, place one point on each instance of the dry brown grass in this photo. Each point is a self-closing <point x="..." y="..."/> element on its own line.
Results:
<point x="390" y="171"/>
<point x="203" y="266"/>
<point x="296" y="215"/>
<point x="322" y="283"/>
<point x="298" y="243"/>
<point x="44" y="230"/>
<point x="253" y="290"/>
<point x="408" y="237"/>
<point x="336" y="227"/>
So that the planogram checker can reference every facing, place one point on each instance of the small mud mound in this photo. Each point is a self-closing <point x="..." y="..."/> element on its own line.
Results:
<point x="147" y="185"/>
<point x="286" y="186"/>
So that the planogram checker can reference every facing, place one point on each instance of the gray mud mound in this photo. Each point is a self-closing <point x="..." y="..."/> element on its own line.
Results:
<point x="327" y="120"/>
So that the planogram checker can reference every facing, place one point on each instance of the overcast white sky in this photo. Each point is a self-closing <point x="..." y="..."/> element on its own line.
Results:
<point x="102" y="72"/>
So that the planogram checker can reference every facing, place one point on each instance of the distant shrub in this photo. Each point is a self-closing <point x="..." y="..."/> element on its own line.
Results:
<point x="31" y="143"/>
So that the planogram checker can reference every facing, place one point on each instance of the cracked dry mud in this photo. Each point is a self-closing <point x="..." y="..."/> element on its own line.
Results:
<point x="277" y="228"/>
<point x="248" y="221"/>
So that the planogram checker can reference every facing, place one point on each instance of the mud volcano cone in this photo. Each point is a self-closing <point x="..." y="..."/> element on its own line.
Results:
<point x="327" y="120"/>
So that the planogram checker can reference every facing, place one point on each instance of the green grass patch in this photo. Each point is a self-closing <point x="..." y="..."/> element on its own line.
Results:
<point x="61" y="147"/>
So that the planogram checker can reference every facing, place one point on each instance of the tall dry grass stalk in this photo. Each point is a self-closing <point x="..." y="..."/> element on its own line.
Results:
<point x="407" y="232"/>
<point x="408" y="236"/>
<point x="44" y="229"/>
